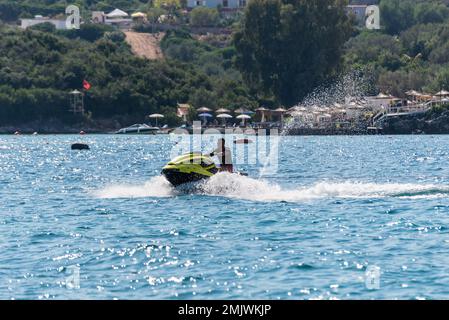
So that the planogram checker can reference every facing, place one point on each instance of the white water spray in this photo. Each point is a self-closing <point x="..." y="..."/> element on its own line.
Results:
<point x="156" y="187"/>
<point x="348" y="87"/>
<point x="245" y="188"/>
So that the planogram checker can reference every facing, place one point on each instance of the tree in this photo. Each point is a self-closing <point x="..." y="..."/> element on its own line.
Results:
<point x="154" y="14"/>
<point x="204" y="17"/>
<point x="399" y="15"/>
<point x="372" y="47"/>
<point x="431" y="13"/>
<point x="88" y="31"/>
<point x="170" y="5"/>
<point x="288" y="47"/>
<point x="44" y="27"/>
<point x="443" y="79"/>
<point x="38" y="69"/>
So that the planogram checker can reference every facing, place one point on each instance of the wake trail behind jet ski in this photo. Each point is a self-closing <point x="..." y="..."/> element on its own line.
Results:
<point x="245" y="188"/>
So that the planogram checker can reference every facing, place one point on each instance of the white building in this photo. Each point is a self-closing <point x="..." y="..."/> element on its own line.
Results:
<point x="224" y="4"/>
<point x="381" y="101"/>
<point x="98" y="17"/>
<point x="59" y="24"/>
<point x="116" y="18"/>
<point x="358" y="10"/>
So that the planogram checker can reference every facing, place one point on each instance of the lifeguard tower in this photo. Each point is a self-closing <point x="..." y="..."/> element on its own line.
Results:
<point x="77" y="102"/>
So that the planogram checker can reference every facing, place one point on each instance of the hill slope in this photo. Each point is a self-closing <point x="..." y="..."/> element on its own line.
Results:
<point x="145" y="44"/>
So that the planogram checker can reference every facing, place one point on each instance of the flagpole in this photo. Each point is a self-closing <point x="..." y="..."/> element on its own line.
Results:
<point x="86" y="88"/>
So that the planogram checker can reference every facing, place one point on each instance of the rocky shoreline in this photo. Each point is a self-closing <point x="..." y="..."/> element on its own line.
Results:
<point x="55" y="126"/>
<point x="428" y="123"/>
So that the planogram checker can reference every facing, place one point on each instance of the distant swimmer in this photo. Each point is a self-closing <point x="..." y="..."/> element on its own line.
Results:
<point x="224" y="155"/>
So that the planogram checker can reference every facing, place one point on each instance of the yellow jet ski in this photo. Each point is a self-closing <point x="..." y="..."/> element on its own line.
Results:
<point x="191" y="167"/>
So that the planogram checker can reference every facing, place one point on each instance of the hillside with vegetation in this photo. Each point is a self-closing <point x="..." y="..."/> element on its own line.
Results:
<point x="11" y="10"/>
<point x="410" y="52"/>
<point x="40" y="66"/>
<point x="254" y="66"/>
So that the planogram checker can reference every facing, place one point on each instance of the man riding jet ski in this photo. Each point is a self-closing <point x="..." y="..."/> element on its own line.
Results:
<point x="224" y="154"/>
<point x="194" y="167"/>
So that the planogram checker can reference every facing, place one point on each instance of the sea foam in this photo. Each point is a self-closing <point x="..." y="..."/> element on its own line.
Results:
<point x="246" y="188"/>
<point x="156" y="187"/>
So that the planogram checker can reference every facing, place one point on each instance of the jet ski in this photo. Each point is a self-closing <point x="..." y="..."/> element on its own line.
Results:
<point x="191" y="167"/>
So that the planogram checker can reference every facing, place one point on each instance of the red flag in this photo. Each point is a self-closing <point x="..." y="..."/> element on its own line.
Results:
<point x="86" y="85"/>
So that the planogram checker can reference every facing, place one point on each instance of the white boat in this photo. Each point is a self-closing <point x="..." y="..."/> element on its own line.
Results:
<point x="138" y="129"/>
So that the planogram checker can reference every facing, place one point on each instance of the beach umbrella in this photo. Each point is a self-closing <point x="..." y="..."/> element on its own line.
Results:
<point x="138" y="15"/>
<point x="243" y="111"/>
<point x="384" y="96"/>
<point x="442" y="93"/>
<point x="243" y="117"/>
<point x="262" y="110"/>
<point x="293" y="110"/>
<point x="204" y="116"/>
<point x="222" y="110"/>
<point x="203" y="110"/>
<point x="224" y="116"/>
<point x="281" y="111"/>
<point x="413" y="93"/>
<point x="298" y="108"/>
<point x="425" y="97"/>
<point x="156" y="116"/>
<point x="183" y="111"/>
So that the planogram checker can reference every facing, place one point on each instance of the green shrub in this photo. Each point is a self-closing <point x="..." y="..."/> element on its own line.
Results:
<point x="204" y="17"/>
<point x="44" y="27"/>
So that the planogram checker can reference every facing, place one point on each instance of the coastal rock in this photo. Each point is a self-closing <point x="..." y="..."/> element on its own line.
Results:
<point x="431" y="123"/>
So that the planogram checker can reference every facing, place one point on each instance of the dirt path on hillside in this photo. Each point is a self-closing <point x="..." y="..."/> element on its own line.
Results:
<point x="145" y="44"/>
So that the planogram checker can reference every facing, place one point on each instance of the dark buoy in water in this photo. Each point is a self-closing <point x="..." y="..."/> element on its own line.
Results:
<point x="80" y="146"/>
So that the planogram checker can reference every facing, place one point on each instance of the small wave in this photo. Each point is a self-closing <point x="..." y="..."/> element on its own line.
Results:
<point x="246" y="188"/>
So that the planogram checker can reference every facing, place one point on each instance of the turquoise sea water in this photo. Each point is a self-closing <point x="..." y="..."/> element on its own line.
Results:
<point x="336" y="207"/>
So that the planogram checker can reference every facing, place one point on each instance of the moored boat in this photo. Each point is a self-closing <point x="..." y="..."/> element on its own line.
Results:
<point x="138" y="129"/>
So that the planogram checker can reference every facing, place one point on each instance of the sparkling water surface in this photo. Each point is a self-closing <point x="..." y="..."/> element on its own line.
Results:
<point x="336" y="207"/>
